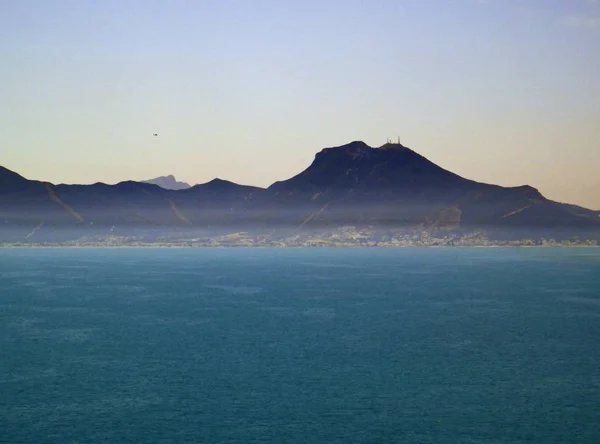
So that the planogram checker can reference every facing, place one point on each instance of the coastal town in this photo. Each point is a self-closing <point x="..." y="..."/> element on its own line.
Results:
<point x="342" y="237"/>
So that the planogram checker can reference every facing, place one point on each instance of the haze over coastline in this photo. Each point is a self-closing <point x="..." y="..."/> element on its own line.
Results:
<point x="499" y="92"/>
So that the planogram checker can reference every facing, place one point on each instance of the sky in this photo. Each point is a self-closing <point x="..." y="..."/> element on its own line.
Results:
<point x="499" y="91"/>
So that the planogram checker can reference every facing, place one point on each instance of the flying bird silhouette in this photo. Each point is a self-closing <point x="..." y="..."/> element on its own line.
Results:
<point x="155" y="134"/>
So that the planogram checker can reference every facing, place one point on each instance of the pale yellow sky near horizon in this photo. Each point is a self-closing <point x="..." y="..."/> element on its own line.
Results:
<point x="494" y="91"/>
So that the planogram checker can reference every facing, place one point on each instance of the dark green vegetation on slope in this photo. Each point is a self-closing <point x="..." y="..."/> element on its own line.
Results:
<point x="389" y="187"/>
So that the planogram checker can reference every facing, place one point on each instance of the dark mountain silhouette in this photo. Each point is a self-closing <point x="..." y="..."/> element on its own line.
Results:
<point x="393" y="185"/>
<point x="386" y="188"/>
<point x="11" y="182"/>
<point x="168" y="183"/>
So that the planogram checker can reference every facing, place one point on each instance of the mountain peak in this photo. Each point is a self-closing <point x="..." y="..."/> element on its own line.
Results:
<point x="392" y="146"/>
<point x="217" y="183"/>
<point x="226" y="187"/>
<point x="359" y="150"/>
<point x="217" y="180"/>
<point x="168" y="182"/>
<point x="357" y="165"/>
<point x="357" y="145"/>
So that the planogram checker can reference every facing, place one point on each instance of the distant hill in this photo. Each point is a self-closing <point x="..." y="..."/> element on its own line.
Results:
<point x="385" y="188"/>
<point x="168" y="183"/>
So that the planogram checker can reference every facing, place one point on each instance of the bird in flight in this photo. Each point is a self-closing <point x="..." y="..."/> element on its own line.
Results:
<point x="155" y="134"/>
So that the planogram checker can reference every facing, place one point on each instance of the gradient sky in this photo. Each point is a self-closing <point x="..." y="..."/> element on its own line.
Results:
<point x="501" y="91"/>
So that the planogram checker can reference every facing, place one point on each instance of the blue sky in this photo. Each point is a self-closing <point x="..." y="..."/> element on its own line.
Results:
<point x="501" y="91"/>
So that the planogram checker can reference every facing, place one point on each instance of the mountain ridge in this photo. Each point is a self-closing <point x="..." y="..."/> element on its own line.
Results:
<point x="389" y="187"/>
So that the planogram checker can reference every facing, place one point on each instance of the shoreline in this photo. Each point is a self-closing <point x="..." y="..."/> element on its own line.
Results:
<point x="186" y="247"/>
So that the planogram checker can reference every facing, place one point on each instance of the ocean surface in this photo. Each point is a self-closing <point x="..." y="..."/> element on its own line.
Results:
<point x="409" y="345"/>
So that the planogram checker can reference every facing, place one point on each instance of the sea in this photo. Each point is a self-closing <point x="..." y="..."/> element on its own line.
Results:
<point x="300" y="345"/>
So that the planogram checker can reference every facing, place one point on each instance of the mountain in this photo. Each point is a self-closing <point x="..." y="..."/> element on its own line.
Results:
<point x="168" y="183"/>
<point x="392" y="185"/>
<point x="127" y="208"/>
<point x="386" y="188"/>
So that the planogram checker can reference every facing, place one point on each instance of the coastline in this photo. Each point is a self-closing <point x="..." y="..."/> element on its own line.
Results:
<point x="188" y="247"/>
<point x="346" y="238"/>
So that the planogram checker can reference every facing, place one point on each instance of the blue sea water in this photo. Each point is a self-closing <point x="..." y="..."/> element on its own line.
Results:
<point x="414" y="345"/>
